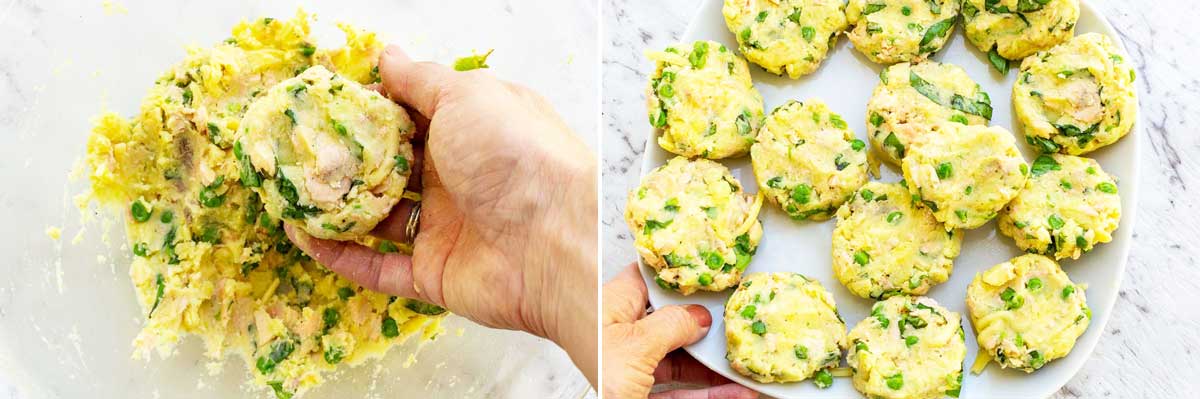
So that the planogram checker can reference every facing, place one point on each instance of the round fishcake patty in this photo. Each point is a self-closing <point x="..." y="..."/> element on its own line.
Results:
<point x="1077" y="96"/>
<point x="693" y="224"/>
<point x="891" y="31"/>
<point x="1067" y="207"/>
<point x="908" y="348"/>
<point x="807" y="160"/>
<point x="913" y="100"/>
<point x="1026" y="312"/>
<point x="702" y="99"/>
<point x="785" y="37"/>
<point x="783" y="327"/>
<point x="886" y="243"/>
<point x="326" y="154"/>
<point x="1015" y="29"/>
<point x="967" y="175"/>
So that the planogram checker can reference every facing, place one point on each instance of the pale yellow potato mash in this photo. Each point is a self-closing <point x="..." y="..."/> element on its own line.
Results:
<point x="1015" y="29"/>
<point x="783" y="327"/>
<point x="807" y="160"/>
<point x="1076" y="97"/>
<point x="914" y="100"/>
<point x="326" y="154"/>
<point x="891" y="31"/>
<point x="208" y="260"/>
<point x="1026" y="312"/>
<point x="1067" y="207"/>
<point x="703" y="100"/>
<point x="694" y="225"/>
<point x="887" y="243"/>
<point x="966" y="176"/>
<point x="908" y="348"/>
<point x="785" y="37"/>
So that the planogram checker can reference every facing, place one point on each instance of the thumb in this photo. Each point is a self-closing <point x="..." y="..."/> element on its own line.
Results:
<point x="419" y="85"/>
<point x="672" y="327"/>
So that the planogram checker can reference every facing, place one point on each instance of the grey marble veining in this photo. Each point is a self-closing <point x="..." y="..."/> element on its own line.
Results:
<point x="1150" y="345"/>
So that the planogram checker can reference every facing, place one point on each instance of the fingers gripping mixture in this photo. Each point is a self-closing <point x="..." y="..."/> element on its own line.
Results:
<point x="703" y="100"/>
<point x="783" y="327"/>
<point x="1076" y="97"/>
<point x="785" y="37"/>
<point x="887" y="243"/>
<point x="692" y="223"/>
<point x="807" y="160"/>
<point x="1026" y="312"/>
<point x="333" y="157"/>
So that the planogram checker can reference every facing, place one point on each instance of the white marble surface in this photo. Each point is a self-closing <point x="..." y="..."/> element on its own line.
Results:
<point x="1150" y="348"/>
<point x="63" y="62"/>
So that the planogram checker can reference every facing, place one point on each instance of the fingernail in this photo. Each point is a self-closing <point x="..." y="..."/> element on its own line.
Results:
<point x="700" y="315"/>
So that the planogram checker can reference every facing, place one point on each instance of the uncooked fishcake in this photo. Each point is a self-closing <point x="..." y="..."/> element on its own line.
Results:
<point x="333" y="156"/>
<point x="693" y="224"/>
<point x="908" y="348"/>
<point x="1026" y="312"/>
<point x="886" y="243"/>
<point x="1015" y="29"/>
<point x="1077" y="96"/>
<point x="891" y="31"/>
<point x="703" y="101"/>
<point x="913" y="100"/>
<point x="1067" y="207"/>
<point x="967" y="175"/>
<point x="807" y="160"/>
<point x="785" y="37"/>
<point x="783" y="327"/>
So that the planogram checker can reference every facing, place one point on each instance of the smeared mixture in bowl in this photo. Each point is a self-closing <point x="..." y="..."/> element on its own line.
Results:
<point x="207" y="259"/>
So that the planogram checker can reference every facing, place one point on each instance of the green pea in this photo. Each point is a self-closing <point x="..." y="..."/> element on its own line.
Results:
<point x="1067" y="291"/>
<point x="910" y="340"/>
<point x="867" y="195"/>
<point x="330" y="317"/>
<point x="906" y="10"/>
<point x="389" y="327"/>
<point x="1107" y="187"/>
<point x="896" y="381"/>
<point x="960" y="119"/>
<point x="945" y="170"/>
<point x="876" y="119"/>
<point x="801" y="193"/>
<point x="961" y="213"/>
<point x="705" y="279"/>
<point x="862" y="258"/>
<point x="762" y="16"/>
<point x="895" y="217"/>
<point x="1055" y="222"/>
<point x="140" y="249"/>
<point x="860" y="346"/>
<point x="749" y="311"/>
<point x="1033" y="284"/>
<point x="388" y="247"/>
<point x="857" y="145"/>
<point x="345" y="293"/>
<point x="758" y="328"/>
<point x="823" y="379"/>
<point x="808" y="32"/>
<point x="140" y="211"/>
<point x="801" y="352"/>
<point x="167" y="216"/>
<point x="837" y="121"/>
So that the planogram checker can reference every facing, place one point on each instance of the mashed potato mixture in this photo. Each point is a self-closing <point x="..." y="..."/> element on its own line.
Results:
<point x="1076" y="97"/>
<point x="1026" y="312"/>
<point x="694" y="225"/>
<point x="891" y="31"/>
<point x="783" y="327"/>
<point x="1067" y="207"/>
<point x="327" y="154"/>
<point x="207" y="259"/>
<point x="785" y="37"/>
<point x="908" y="348"/>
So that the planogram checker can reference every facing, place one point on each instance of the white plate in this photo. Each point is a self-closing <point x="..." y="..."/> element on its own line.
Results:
<point x="845" y="82"/>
